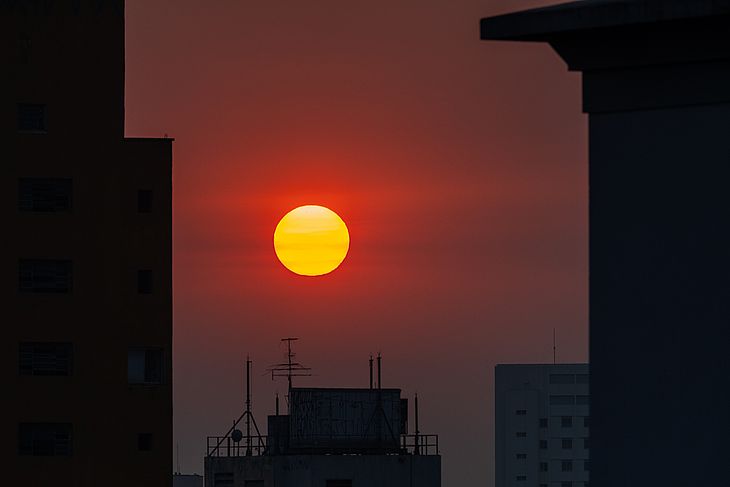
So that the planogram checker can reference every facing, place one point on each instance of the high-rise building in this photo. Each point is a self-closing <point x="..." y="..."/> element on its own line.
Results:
<point x="541" y="425"/>
<point x="85" y="257"/>
<point x="656" y="91"/>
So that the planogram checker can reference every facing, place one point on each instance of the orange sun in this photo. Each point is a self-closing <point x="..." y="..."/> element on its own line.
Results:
<point x="311" y="240"/>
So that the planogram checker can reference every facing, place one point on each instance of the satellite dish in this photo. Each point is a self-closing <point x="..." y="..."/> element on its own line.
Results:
<point x="236" y="435"/>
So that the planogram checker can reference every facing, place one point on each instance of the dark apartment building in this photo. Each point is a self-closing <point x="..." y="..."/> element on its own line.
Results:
<point x="85" y="256"/>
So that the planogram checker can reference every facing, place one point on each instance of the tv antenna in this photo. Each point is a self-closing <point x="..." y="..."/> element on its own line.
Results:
<point x="290" y="368"/>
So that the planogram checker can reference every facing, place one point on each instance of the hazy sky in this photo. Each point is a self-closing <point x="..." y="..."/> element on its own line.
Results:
<point x="460" y="167"/>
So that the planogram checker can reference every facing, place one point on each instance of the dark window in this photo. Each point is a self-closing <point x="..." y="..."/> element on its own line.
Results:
<point x="521" y="412"/>
<point x="522" y="456"/>
<point x="562" y="378"/>
<point x="521" y="478"/>
<point x="567" y="443"/>
<point x="253" y="483"/>
<point x="585" y="443"/>
<point x="32" y="118"/>
<point x="543" y="444"/>
<point x="543" y="423"/>
<point x="338" y="483"/>
<point x="587" y="422"/>
<point x="562" y="400"/>
<point x="144" y="201"/>
<point x="566" y="483"/>
<point x="144" y="366"/>
<point x="44" y="439"/>
<point x="44" y="194"/>
<point x="586" y="465"/>
<point x="144" y="441"/>
<point x="581" y="379"/>
<point x="144" y="281"/>
<point x="521" y="434"/>
<point x="45" y="358"/>
<point x="582" y="400"/>
<point x="222" y="479"/>
<point x="543" y="466"/>
<point x="44" y="276"/>
<point x="566" y="422"/>
<point x="543" y="485"/>
<point x="566" y="465"/>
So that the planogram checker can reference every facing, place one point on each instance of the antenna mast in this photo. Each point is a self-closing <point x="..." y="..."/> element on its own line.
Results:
<point x="290" y="368"/>
<point x="555" y="351"/>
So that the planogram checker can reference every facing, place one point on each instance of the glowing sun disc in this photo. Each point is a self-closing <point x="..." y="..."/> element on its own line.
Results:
<point x="311" y="240"/>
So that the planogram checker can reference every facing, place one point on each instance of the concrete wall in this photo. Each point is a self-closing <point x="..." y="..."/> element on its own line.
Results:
<point x="315" y="470"/>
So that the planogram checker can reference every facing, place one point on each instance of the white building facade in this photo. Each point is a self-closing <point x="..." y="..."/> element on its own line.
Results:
<point x="542" y="421"/>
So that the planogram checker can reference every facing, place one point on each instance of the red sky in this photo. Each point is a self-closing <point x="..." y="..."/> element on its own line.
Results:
<point x="458" y="165"/>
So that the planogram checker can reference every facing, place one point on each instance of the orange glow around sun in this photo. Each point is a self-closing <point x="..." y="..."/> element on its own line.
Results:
<point x="311" y="240"/>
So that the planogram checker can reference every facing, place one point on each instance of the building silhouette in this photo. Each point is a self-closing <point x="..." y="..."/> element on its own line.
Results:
<point x="656" y="87"/>
<point x="85" y="257"/>
<point x="542" y="424"/>
<point x="331" y="437"/>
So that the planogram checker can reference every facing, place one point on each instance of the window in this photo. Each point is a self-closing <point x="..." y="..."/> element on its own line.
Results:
<point x="586" y="446"/>
<point x="32" y="118"/>
<point x="562" y="378"/>
<point x="587" y="422"/>
<point x="582" y="400"/>
<point x="543" y="423"/>
<point x="522" y="456"/>
<point x="338" y="483"/>
<point x="543" y="444"/>
<point x="562" y="400"/>
<point x="521" y="412"/>
<point x="253" y="483"/>
<point x="581" y="379"/>
<point x="566" y="484"/>
<point x="566" y="422"/>
<point x="144" y="441"/>
<point x="44" y="276"/>
<point x="587" y="465"/>
<point x="567" y="443"/>
<point x="222" y="479"/>
<point x="566" y="466"/>
<point x="543" y="485"/>
<point x="144" y="281"/>
<point x="44" y="194"/>
<point x="44" y="439"/>
<point x="45" y="358"/>
<point x="543" y="466"/>
<point x="144" y="201"/>
<point x="521" y="434"/>
<point x="144" y="366"/>
<point x="521" y="478"/>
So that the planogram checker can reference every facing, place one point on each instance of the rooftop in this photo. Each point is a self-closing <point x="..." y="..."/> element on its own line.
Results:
<point x="545" y="24"/>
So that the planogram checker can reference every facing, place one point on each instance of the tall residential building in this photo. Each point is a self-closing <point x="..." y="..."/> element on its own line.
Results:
<point x="85" y="257"/>
<point x="541" y="425"/>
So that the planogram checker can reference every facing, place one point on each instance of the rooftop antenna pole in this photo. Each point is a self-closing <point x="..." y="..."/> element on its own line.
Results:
<point x="555" y="352"/>
<point x="248" y="406"/>
<point x="379" y="359"/>
<point x="178" y="457"/>
<point x="417" y="449"/>
<point x="371" y="371"/>
<point x="289" y="369"/>
<point x="277" y="403"/>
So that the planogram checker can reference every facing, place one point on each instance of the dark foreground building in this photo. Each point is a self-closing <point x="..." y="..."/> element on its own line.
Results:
<point x="85" y="256"/>
<point x="656" y="86"/>
<point x="330" y="438"/>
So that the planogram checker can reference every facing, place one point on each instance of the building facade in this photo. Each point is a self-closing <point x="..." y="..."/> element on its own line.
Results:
<point x="85" y="257"/>
<point x="542" y="423"/>
<point x="656" y="88"/>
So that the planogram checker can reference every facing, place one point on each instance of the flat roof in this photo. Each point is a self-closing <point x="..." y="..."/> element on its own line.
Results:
<point x="546" y="23"/>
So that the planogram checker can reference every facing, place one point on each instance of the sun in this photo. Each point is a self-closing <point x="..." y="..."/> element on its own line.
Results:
<point x="311" y="240"/>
